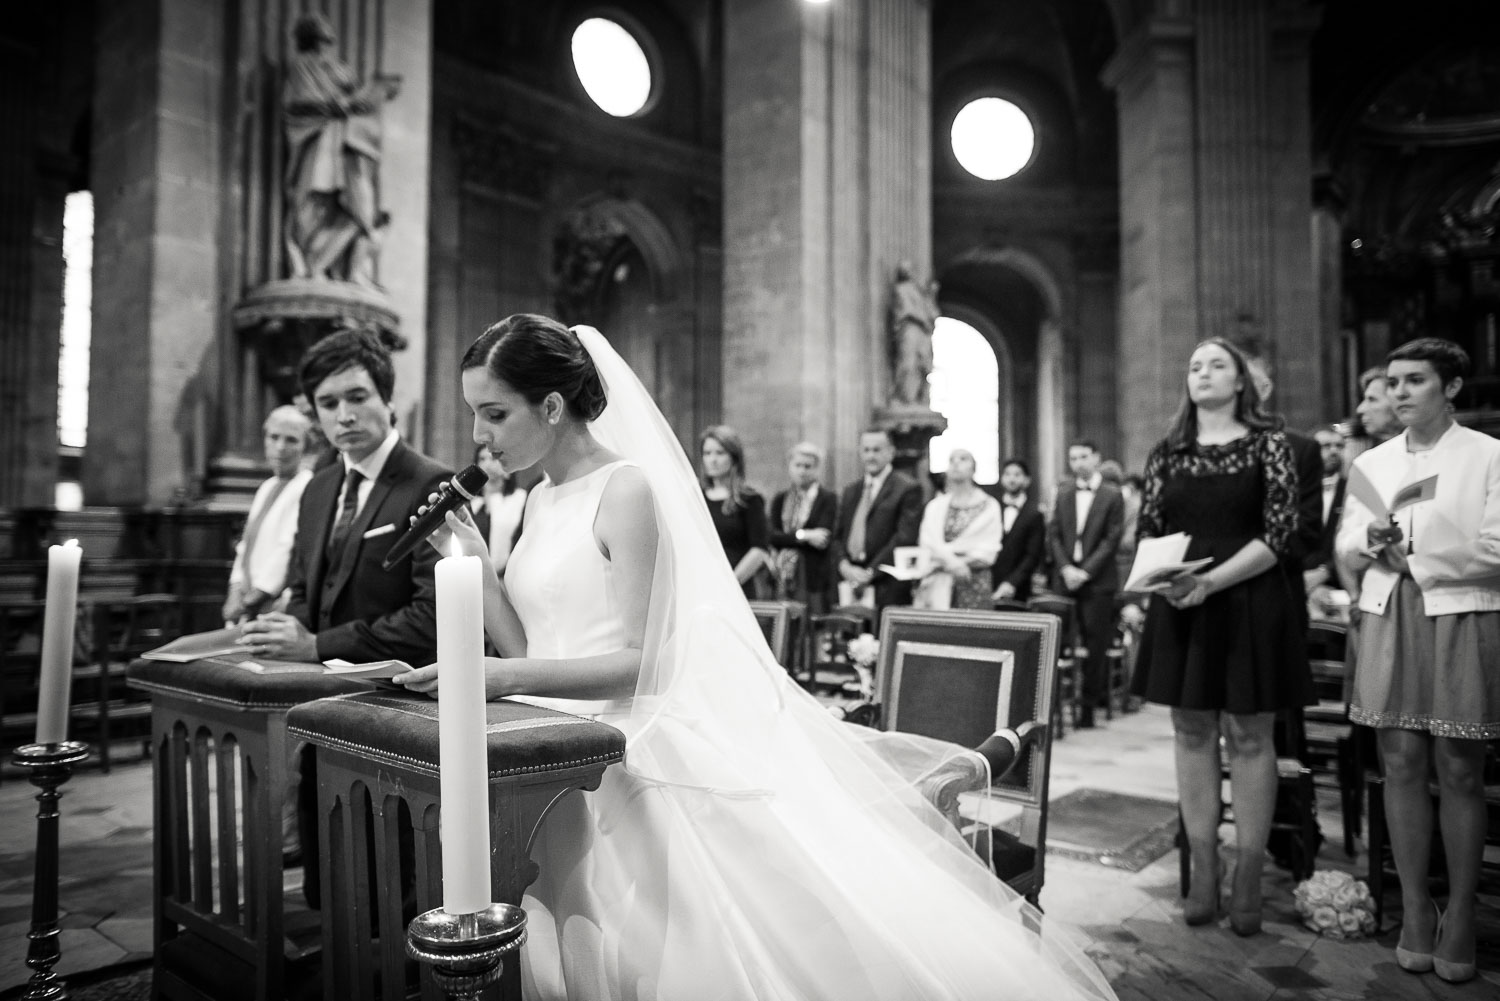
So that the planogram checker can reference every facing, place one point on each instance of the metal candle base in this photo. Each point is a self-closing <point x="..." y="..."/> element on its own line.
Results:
<point x="49" y="766"/>
<point x="466" y="951"/>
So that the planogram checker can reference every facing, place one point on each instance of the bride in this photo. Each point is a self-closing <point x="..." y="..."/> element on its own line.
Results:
<point x="751" y="846"/>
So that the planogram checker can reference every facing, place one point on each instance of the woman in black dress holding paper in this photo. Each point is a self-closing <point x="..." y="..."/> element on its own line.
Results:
<point x="1224" y="647"/>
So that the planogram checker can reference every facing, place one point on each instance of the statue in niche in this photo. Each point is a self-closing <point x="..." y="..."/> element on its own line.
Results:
<point x="914" y="312"/>
<point x="333" y="132"/>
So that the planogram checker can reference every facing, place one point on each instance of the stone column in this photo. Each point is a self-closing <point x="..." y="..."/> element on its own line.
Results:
<point x="1215" y="178"/>
<point x="827" y="187"/>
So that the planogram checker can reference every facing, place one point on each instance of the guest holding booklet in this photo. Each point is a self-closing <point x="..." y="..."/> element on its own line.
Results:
<point x="1421" y="528"/>
<point x="1224" y="647"/>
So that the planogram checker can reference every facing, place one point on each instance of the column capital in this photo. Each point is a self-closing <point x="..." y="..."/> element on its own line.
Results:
<point x="1157" y="40"/>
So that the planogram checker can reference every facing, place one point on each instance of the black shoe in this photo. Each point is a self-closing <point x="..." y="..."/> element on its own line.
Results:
<point x="1086" y="721"/>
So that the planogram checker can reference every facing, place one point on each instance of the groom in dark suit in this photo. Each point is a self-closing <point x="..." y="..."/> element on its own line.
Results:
<point x="343" y="604"/>
<point x="1087" y="525"/>
<point x="1023" y="533"/>
<point x="877" y="513"/>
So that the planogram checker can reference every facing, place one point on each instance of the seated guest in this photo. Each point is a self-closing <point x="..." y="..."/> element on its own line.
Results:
<point x="343" y="603"/>
<point x="1023" y="534"/>
<point x="802" y="518"/>
<point x="264" y="552"/>
<point x="499" y="510"/>
<point x="737" y="509"/>
<point x="960" y="534"/>
<point x="877" y="513"/>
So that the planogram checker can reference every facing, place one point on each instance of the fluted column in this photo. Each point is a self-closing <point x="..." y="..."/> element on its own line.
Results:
<point x="827" y="188"/>
<point x="1215" y="178"/>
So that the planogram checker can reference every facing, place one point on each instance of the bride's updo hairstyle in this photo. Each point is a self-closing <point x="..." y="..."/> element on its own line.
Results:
<point x="535" y="355"/>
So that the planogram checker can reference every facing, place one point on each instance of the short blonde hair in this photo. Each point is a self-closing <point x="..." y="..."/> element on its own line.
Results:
<point x="287" y="412"/>
<point x="805" y="448"/>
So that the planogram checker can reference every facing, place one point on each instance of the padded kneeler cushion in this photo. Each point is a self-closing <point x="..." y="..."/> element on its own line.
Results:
<point x="402" y="730"/>
<point x="226" y="683"/>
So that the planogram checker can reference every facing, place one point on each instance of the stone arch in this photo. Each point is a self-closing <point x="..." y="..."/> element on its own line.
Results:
<point x="643" y="228"/>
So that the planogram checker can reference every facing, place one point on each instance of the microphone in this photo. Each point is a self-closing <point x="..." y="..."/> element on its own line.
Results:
<point x="463" y="487"/>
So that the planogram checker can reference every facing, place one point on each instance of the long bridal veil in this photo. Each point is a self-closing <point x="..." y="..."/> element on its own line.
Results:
<point x="830" y="875"/>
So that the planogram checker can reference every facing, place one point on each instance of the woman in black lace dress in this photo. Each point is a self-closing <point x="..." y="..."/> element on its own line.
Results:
<point x="1225" y="647"/>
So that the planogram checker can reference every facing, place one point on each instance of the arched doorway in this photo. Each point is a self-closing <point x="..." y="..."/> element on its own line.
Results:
<point x="971" y="385"/>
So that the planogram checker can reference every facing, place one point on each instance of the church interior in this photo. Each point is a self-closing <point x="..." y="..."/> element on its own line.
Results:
<point x="737" y="194"/>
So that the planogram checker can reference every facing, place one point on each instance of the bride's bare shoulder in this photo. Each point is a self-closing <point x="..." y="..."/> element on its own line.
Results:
<point x="628" y="488"/>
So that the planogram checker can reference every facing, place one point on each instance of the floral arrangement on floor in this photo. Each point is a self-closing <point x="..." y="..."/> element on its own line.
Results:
<point x="863" y="650"/>
<point x="1335" y="904"/>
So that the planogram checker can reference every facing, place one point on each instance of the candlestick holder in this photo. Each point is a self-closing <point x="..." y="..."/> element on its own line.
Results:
<point x="48" y="767"/>
<point x="466" y="951"/>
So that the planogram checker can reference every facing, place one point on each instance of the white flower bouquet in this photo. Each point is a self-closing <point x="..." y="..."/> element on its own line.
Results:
<point x="1335" y="904"/>
<point x="863" y="650"/>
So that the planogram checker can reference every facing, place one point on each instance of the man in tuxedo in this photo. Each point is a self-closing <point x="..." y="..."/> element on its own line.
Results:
<point x="1087" y="524"/>
<point x="803" y="518"/>
<point x="343" y="603"/>
<point x="877" y="513"/>
<point x="1023" y="533"/>
<point x="1317" y="568"/>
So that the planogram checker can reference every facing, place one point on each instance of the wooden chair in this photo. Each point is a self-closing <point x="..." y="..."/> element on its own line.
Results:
<point x="120" y="630"/>
<point x="831" y="633"/>
<point x="775" y="620"/>
<point x="1332" y="751"/>
<point x="1069" y="662"/>
<point x="981" y="680"/>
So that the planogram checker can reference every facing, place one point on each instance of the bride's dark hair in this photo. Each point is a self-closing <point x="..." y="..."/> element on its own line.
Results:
<point x="535" y="355"/>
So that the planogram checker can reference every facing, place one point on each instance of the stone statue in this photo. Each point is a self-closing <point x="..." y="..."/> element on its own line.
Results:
<point x="333" y="133"/>
<point x="914" y="311"/>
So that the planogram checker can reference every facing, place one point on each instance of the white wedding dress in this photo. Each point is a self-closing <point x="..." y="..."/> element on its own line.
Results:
<point x="751" y="847"/>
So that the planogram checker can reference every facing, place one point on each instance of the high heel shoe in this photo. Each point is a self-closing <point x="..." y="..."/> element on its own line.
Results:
<point x="1454" y="973"/>
<point x="1245" y="916"/>
<point x="1418" y="962"/>
<point x="1196" y="913"/>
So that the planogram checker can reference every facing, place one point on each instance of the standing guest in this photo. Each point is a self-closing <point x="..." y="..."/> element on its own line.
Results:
<point x="1376" y="413"/>
<point x="343" y="603"/>
<point x="737" y="509"/>
<point x="1087" y="524"/>
<point x="499" y="510"/>
<point x="960" y="533"/>
<point x="1318" y="567"/>
<point x="1225" y="648"/>
<point x="803" y="518"/>
<point x="264" y="552"/>
<point x="1023" y="534"/>
<point x="877" y="513"/>
<point x="1430" y="599"/>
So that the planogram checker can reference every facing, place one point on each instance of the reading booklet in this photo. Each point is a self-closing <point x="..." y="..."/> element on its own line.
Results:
<point x="196" y="646"/>
<point x="1359" y="485"/>
<point x="1159" y="561"/>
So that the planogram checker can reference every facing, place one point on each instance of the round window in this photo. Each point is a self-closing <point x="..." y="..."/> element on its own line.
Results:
<point x="992" y="138"/>
<point x="612" y="66"/>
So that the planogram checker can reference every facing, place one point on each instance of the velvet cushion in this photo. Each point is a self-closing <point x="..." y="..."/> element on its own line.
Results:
<point x="402" y="730"/>
<point x="226" y="683"/>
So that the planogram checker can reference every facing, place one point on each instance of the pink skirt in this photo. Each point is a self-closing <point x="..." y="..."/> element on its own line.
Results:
<point x="1416" y="672"/>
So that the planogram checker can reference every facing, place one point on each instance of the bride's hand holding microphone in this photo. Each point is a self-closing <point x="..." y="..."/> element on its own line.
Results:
<point x="458" y="526"/>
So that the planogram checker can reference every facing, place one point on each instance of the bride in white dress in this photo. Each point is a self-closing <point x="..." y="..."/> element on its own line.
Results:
<point x="751" y="846"/>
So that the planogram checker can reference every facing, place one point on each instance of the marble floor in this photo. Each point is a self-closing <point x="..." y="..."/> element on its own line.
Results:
<point x="1130" y="922"/>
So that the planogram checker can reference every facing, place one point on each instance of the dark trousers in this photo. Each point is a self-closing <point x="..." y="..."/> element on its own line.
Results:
<point x="1095" y="610"/>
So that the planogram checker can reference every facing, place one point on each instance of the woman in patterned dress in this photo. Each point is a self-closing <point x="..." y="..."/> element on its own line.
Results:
<point x="1429" y="613"/>
<point x="1224" y="647"/>
<point x="961" y="535"/>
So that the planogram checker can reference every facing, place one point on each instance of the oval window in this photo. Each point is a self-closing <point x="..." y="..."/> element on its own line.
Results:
<point x="992" y="138"/>
<point x="612" y="66"/>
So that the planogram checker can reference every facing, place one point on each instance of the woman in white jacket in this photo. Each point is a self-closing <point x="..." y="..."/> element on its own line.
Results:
<point x="960" y="535"/>
<point x="1426" y="676"/>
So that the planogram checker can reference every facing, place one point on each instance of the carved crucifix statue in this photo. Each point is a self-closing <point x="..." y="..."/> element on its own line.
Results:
<point x="333" y="132"/>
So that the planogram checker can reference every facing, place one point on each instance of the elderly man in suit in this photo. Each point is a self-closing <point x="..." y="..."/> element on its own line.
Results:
<point x="1088" y="522"/>
<point x="1023" y="533"/>
<point x="803" y="518"/>
<point x="877" y="513"/>
<point x="343" y="604"/>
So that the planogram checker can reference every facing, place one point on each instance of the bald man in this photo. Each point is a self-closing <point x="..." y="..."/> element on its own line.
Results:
<point x="262" y="557"/>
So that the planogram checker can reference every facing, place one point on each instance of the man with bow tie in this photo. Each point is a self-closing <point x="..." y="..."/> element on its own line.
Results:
<point x="1087" y="524"/>
<point x="1023" y="533"/>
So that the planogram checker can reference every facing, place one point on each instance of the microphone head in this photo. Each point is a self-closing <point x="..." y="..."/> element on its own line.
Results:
<point x="471" y="480"/>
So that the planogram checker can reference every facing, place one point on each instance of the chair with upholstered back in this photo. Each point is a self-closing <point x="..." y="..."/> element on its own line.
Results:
<point x="1069" y="673"/>
<point x="980" y="680"/>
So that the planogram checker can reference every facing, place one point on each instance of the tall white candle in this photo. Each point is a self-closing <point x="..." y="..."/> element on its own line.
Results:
<point x="462" y="749"/>
<point x="56" y="679"/>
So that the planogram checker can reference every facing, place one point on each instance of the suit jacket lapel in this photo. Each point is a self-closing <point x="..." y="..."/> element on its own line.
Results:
<point x="1091" y="523"/>
<point x="393" y="473"/>
<point x="325" y="493"/>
